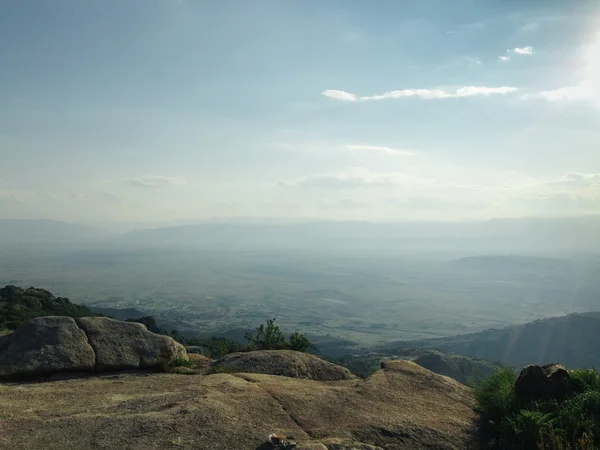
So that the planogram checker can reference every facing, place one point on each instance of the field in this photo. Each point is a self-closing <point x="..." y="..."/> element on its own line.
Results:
<point x="361" y="297"/>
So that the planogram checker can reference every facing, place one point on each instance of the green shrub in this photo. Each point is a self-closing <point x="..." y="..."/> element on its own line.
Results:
<point x="180" y="362"/>
<point x="571" y="423"/>
<point x="582" y="380"/>
<point x="270" y="337"/>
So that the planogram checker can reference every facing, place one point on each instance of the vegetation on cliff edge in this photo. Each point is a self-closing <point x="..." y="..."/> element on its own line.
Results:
<point x="570" y="422"/>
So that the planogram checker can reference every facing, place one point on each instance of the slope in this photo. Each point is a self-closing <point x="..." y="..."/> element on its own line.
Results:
<point x="574" y="340"/>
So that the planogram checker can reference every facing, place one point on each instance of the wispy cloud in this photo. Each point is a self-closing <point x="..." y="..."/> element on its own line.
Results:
<point x="522" y="50"/>
<point x="340" y="95"/>
<point x="154" y="181"/>
<point x="577" y="179"/>
<point x="569" y="93"/>
<point x="380" y="149"/>
<point x="530" y="27"/>
<point x="428" y="94"/>
<point x="105" y="197"/>
<point x="349" y="179"/>
<point x="16" y="196"/>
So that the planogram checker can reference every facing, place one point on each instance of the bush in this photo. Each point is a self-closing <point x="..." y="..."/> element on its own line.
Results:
<point x="582" y="380"/>
<point x="571" y="423"/>
<point x="180" y="362"/>
<point x="270" y="337"/>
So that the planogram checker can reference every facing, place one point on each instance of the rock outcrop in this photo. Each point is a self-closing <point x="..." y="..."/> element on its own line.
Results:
<point x="550" y="381"/>
<point x="45" y="345"/>
<point x="286" y="363"/>
<point x="129" y="345"/>
<point x="50" y="345"/>
<point x="402" y="406"/>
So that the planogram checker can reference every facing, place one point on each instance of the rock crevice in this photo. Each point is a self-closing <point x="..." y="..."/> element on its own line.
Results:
<point x="91" y="345"/>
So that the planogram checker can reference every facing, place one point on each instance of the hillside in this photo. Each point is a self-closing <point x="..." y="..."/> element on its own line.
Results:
<point x="511" y="265"/>
<point x="574" y="340"/>
<point x="18" y="304"/>
<point x="402" y="406"/>
<point x="523" y="234"/>
<point x="464" y="369"/>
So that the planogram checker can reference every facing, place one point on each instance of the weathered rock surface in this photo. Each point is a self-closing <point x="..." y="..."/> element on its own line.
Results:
<point x="402" y="406"/>
<point x="284" y="363"/>
<point x="51" y="345"/>
<point x="542" y="382"/>
<point x="45" y="345"/>
<point x="129" y="345"/>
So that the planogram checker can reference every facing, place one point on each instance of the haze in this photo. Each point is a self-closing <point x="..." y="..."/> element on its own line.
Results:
<point x="362" y="171"/>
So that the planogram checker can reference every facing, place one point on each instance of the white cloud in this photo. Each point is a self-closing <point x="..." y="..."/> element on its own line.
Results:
<point x="16" y="196"/>
<point x="155" y="181"/>
<point x="379" y="149"/>
<point x="577" y="179"/>
<point x="349" y="179"/>
<point x="504" y="58"/>
<point x="569" y="93"/>
<point x="340" y="95"/>
<point x="105" y="197"/>
<point x="428" y="94"/>
<point x="522" y="50"/>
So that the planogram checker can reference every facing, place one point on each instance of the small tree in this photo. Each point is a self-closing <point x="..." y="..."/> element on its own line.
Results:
<point x="270" y="337"/>
<point x="299" y="342"/>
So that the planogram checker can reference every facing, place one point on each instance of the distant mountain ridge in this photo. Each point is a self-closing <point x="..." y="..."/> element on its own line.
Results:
<point x="525" y="234"/>
<point x="574" y="340"/>
<point x="498" y="235"/>
<point x="15" y="231"/>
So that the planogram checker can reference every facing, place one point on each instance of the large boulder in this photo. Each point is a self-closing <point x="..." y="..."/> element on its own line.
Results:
<point x="285" y="363"/>
<point x="43" y="346"/>
<point x="549" y="381"/>
<point x="49" y="345"/>
<point x="129" y="345"/>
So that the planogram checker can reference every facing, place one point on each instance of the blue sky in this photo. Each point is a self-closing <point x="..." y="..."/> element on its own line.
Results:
<point x="182" y="110"/>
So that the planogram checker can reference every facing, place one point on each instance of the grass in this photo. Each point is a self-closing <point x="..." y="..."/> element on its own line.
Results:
<point x="570" y="423"/>
<point x="180" y="362"/>
<point x="222" y="369"/>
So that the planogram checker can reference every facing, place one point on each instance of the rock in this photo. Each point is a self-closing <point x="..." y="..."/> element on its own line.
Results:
<point x="546" y="382"/>
<point x="43" y="346"/>
<point x="285" y="363"/>
<point x="129" y="345"/>
<point x="401" y="407"/>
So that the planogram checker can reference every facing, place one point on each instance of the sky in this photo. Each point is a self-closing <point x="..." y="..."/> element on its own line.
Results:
<point x="186" y="110"/>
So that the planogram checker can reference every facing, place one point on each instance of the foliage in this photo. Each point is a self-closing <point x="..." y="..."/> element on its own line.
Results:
<point x="18" y="305"/>
<point x="583" y="380"/>
<point x="571" y="423"/>
<point x="180" y="362"/>
<point x="270" y="337"/>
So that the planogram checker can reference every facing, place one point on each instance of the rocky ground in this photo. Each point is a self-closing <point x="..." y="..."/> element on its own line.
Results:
<point x="402" y="406"/>
<point x="66" y="386"/>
